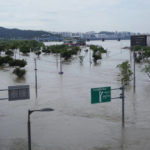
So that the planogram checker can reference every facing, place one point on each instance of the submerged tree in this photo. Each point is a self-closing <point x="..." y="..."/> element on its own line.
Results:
<point x="81" y="59"/>
<point x="38" y="53"/>
<point x="9" y="53"/>
<point x="97" y="52"/>
<point x="125" y="72"/>
<point x="97" y="56"/>
<point x="64" y="50"/>
<point x="5" y="60"/>
<point x="17" y="62"/>
<point x="147" y="69"/>
<point x="19" y="72"/>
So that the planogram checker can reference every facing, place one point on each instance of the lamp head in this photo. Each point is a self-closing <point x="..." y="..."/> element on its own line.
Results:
<point x="46" y="109"/>
<point x="43" y="109"/>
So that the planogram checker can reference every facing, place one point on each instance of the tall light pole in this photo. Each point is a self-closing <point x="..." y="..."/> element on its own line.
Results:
<point x="90" y="57"/>
<point x="134" y="80"/>
<point x="60" y="72"/>
<point x="35" y="76"/>
<point x="57" y="60"/>
<point x="29" y="124"/>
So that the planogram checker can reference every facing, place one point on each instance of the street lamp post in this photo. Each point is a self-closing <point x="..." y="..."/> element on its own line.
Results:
<point x="134" y="78"/>
<point x="29" y="124"/>
<point x="35" y="77"/>
<point x="60" y="72"/>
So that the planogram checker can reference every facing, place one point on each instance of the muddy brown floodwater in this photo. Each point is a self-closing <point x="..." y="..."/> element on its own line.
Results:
<point x="76" y="124"/>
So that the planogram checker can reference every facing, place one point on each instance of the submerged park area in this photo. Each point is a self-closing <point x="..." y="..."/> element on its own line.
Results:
<point x="76" y="123"/>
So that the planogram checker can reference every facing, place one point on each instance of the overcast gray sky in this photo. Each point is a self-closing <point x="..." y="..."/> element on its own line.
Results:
<point x="76" y="15"/>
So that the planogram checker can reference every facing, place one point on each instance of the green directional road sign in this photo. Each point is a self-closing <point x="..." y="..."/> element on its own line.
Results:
<point x="100" y="95"/>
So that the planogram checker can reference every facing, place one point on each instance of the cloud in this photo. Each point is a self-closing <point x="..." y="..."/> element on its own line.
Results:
<point x="75" y="15"/>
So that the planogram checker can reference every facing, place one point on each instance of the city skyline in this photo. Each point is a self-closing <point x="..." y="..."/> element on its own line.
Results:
<point x="76" y="16"/>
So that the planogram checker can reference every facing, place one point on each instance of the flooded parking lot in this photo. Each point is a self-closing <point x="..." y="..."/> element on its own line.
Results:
<point x="76" y="124"/>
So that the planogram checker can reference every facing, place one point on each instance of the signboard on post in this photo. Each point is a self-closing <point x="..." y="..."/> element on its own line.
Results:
<point x="20" y="92"/>
<point x="100" y="95"/>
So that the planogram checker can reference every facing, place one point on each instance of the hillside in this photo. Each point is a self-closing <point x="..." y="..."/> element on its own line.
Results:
<point x="6" y="33"/>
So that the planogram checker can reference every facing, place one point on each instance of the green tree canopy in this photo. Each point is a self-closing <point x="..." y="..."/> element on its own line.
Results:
<point x="125" y="72"/>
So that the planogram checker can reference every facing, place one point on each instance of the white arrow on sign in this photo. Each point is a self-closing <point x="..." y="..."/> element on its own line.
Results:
<point x="100" y="96"/>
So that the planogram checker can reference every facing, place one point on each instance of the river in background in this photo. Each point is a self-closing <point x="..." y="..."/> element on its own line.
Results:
<point x="76" y="124"/>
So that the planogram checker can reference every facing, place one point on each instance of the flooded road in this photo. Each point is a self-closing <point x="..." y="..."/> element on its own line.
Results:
<point x="76" y="124"/>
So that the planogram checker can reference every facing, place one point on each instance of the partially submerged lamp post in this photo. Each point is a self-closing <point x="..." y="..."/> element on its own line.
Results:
<point x="29" y="125"/>
<point x="134" y="78"/>
<point x="60" y="72"/>
<point x="35" y="76"/>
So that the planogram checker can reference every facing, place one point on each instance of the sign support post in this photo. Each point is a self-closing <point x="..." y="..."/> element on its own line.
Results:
<point x="122" y="95"/>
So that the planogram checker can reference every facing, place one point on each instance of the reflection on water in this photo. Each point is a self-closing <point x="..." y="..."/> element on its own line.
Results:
<point x="76" y="124"/>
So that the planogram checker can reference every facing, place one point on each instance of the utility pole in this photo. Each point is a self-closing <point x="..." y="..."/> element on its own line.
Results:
<point x="134" y="55"/>
<point x="57" y="60"/>
<point x="60" y="72"/>
<point x="90" y="58"/>
<point x="142" y="55"/>
<point x="130" y="56"/>
<point x="35" y="77"/>
<point x="15" y="54"/>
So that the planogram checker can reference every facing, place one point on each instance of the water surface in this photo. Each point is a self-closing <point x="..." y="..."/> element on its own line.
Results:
<point x="76" y="124"/>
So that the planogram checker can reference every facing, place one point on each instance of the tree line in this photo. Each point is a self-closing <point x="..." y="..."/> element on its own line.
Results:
<point x="25" y="46"/>
<point x="8" y="47"/>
